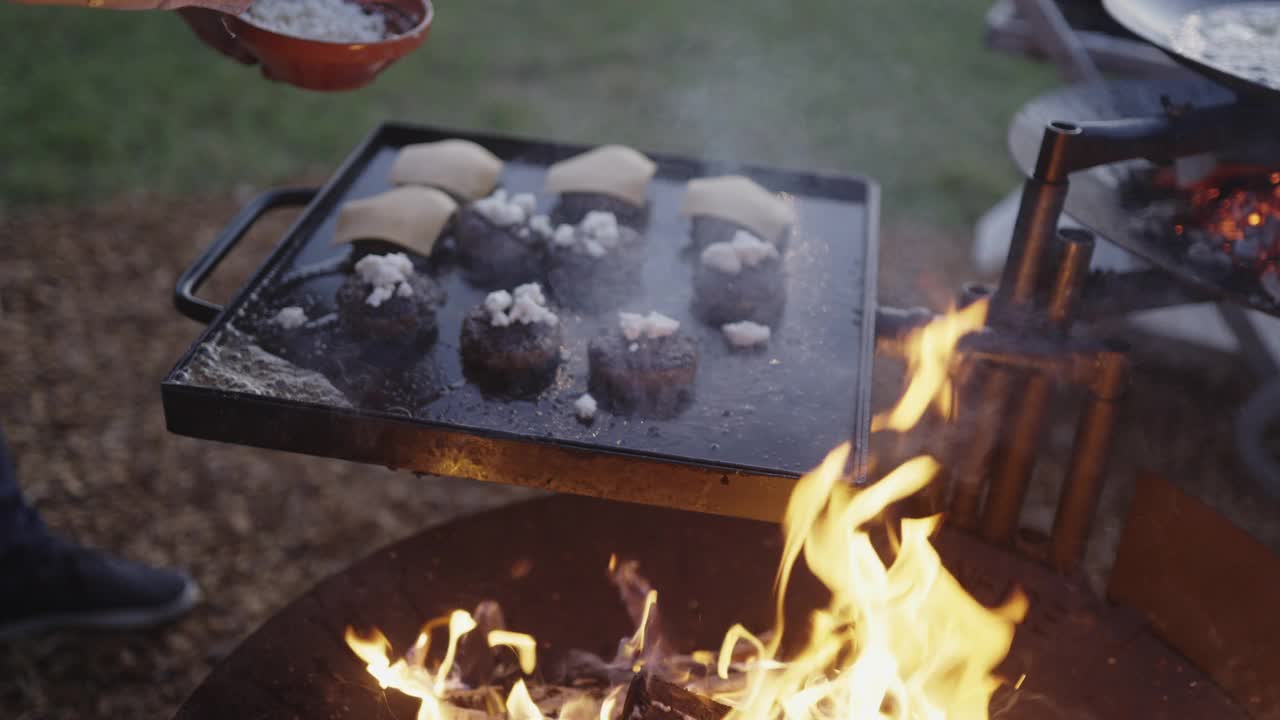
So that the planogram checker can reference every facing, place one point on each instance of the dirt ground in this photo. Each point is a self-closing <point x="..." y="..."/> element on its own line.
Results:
<point x="88" y="331"/>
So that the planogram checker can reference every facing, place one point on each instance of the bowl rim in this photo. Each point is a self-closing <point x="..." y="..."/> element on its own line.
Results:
<point x="418" y="29"/>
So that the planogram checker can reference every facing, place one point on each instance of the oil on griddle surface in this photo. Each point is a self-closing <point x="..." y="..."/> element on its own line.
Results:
<point x="780" y="409"/>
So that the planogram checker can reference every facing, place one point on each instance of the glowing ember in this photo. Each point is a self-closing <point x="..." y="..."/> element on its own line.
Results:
<point x="900" y="638"/>
<point x="1237" y="211"/>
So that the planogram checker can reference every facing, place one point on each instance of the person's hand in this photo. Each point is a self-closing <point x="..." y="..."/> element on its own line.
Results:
<point x="207" y="25"/>
<point x="233" y="7"/>
<point x="204" y="17"/>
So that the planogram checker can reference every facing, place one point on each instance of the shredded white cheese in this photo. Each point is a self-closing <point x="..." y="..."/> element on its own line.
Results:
<point x="290" y="318"/>
<point x="746" y="333"/>
<point x="653" y="326"/>
<point x="596" y="235"/>
<point x="744" y="250"/>
<point x="388" y="274"/>
<point x="600" y="226"/>
<point x="531" y="306"/>
<point x="497" y="303"/>
<point x="751" y="249"/>
<point x="541" y="224"/>
<point x="526" y="305"/>
<point x="721" y="256"/>
<point x="565" y="236"/>
<point x="585" y="407"/>
<point x="503" y="211"/>
<point x="526" y="202"/>
<point x="337" y="21"/>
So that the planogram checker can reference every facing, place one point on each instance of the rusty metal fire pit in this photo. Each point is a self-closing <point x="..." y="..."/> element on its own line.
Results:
<point x="544" y="562"/>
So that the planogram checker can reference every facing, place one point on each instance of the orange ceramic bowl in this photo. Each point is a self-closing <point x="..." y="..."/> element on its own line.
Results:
<point x="320" y="65"/>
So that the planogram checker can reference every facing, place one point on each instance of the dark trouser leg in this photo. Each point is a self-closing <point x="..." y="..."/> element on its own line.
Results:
<point x="19" y="523"/>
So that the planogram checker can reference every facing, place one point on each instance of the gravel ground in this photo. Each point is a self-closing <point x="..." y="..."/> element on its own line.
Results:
<point x="88" y="331"/>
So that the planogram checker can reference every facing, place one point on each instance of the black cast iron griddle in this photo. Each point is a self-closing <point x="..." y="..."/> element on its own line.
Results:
<point x="757" y="418"/>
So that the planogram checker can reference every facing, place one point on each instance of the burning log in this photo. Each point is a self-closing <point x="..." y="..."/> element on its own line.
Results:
<point x="652" y="698"/>
<point x="640" y="600"/>
<point x="580" y="667"/>
<point x="476" y="662"/>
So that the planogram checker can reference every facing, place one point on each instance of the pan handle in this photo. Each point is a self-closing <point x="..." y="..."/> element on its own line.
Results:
<point x="184" y="295"/>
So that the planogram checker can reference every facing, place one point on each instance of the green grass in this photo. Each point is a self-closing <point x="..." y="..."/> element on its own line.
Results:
<point x="95" y="103"/>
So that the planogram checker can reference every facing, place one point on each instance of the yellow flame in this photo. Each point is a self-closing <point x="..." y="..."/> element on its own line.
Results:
<point x="929" y="351"/>
<point x="373" y="651"/>
<point x="410" y="676"/>
<point x="898" y="641"/>
<point x="520" y="706"/>
<point x="418" y="653"/>
<point x="582" y="707"/>
<point x="736" y="634"/>
<point x="610" y="703"/>
<point x="635" y="646"/>
<point x="412" y="680"/>
<point x="460" y="623"/>
<point x="525" y="646"/>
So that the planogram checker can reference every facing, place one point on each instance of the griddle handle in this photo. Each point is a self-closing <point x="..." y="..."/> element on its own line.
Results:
<point x="184" y="296"/>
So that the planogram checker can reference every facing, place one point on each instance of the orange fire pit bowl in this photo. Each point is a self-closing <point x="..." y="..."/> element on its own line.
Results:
<point x="330" y="66"/>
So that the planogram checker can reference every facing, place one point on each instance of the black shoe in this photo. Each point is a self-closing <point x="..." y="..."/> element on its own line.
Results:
<point x="54" y="584"/>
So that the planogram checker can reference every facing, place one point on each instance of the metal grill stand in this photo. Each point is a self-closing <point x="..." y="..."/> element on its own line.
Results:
<point x="1009" y="370"/>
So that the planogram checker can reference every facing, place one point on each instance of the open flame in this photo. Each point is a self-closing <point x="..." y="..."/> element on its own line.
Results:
<point x="900" y="639"/>
<point x="410" y="675"/>
<point x="928" y="351"/>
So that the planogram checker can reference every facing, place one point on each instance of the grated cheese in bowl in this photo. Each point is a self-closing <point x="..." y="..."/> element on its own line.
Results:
<point x="336" y="21"/>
